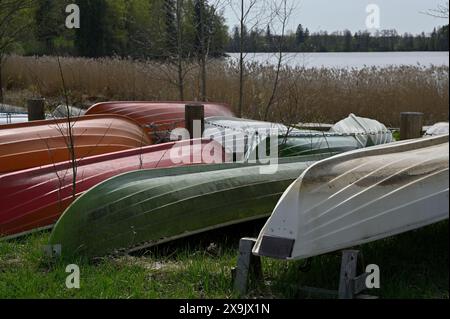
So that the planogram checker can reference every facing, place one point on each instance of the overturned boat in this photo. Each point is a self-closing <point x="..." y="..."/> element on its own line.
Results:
<point x="145" y="208"/>
<point x="247" y="138"/>
<point x="39" y="143"/>
<point x="34" y="199"/>
<point x="63" y="111"/>
<point x="6" y="108"/>
<point x="441" y="128"/>
<point x="12" y="118"/>
<point x="359" y="197"/>
<point x="158" y="118"/>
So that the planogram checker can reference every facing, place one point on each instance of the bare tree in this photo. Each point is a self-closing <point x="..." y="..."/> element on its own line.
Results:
<point x="174" y="13"/>
<point x="11" y="28"/>
<point x="440" y="12"/>
<point x="179" y="62"/>
<point x="205" y="13"/>
<point x="180" y="71"/>
<point x="200" y="43"/>
<point x="250" y="14"/>
<point x="282" y="11"/>
<point x="69" y="137"/>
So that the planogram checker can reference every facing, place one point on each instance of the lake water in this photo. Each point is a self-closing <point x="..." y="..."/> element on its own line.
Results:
<point x="350" y="59"/>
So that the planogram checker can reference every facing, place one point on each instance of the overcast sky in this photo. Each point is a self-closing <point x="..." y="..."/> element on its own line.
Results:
<point x="338" y="15"/>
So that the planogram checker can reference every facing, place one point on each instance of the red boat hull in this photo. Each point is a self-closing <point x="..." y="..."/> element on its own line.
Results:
<point x="35" y="198"/>
<point x="157" y="117"/>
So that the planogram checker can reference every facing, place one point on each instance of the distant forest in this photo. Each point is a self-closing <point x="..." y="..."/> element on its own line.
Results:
<point x="303" y="41"/>
<point x="188" y="28"/>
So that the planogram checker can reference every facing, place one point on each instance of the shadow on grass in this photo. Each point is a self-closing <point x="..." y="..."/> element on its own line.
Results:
<point x="214" y="242"/>
<point x="412" y="265"/>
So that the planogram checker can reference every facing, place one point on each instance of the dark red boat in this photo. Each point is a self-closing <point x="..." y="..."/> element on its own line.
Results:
<point x="34" y="198"/>
<point x="157" y="117"/>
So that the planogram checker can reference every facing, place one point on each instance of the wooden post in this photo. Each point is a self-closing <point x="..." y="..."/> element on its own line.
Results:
<point x="350" y="285"/>
<point x="195" y="115"/>
<point x="247" y="265"/>
<point x="348" y="273"/>
<point x="411" y="124"/>
<point x="36" y="109"/>
<point x="52" y="250"/>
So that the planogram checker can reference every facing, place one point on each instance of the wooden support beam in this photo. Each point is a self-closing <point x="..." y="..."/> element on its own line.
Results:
<point x="52" y="250"/>
<point x="248" y="265"/>
<point x="411" y="124"/>
<point x="351" y="285"/>
<point x="348" y="273"/>
<point x="195" y="120"/>
<point x="36" y="109"/>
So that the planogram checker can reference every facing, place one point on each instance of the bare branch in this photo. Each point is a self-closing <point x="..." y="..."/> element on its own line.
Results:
<point x="440" y="12"/>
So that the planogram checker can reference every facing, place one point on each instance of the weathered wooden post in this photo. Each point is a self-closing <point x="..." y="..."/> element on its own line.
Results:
<point x="411" y="124"/>
<point x="36" y="110"/>
<point x="350" y="284"/>
<point x="195" y="115"/>
<point x="248" y="265"/>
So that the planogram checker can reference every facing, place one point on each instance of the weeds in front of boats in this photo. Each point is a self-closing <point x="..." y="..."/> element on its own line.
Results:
<point x="413" y="265"/>
<point x="314" y="94"/>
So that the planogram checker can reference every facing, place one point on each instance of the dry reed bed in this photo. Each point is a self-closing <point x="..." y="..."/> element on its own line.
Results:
<point x="304" y="94"/>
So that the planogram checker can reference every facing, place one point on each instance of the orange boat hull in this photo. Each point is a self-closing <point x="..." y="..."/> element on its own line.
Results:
<point x="39" y="143"/>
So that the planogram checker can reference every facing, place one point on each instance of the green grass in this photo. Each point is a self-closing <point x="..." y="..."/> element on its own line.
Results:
<point x="413" y="265"/>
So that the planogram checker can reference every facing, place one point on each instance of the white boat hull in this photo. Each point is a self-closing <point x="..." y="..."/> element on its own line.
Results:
<point x="359" y="197"/>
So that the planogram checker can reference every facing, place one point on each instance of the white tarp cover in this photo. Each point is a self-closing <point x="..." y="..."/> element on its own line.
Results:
<point x="367" y="131"/>
<point x="437" y="129"/>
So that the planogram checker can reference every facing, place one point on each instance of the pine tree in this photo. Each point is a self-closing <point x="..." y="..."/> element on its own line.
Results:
<point x="300" y="35"/>
<point x="348" y="41"/>
<point x="199" y="25"/>
<point x="48" y="23"/>
<point x="90" y="40"/>
<point x="307" y="34"/>
<point x="171" y="26"/>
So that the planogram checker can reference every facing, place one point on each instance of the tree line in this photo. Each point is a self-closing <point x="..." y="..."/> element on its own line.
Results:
<point x="126" y="28"/>
<point x="263" y="40"/>
<point x="161" y="29"/>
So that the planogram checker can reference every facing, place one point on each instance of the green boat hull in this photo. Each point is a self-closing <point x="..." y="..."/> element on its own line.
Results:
<point x="145" y="208"/>
<point x="244" y="137"/>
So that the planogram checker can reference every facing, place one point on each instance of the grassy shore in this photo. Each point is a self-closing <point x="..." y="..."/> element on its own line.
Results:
<point x="304" y="94"/>
<point x="412" y="265"/>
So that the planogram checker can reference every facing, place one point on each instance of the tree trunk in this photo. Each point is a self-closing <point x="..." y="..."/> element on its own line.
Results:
<point x="180" y="79"/>
<point x="203" y="53"/>
<point x="279" y="64"/>
<point x="203" y="66"/>
<point x="241" y="62"/>
<point x="275" y="85"/>
<point x="180" y="51"/>
<point x="1" y="82"/>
